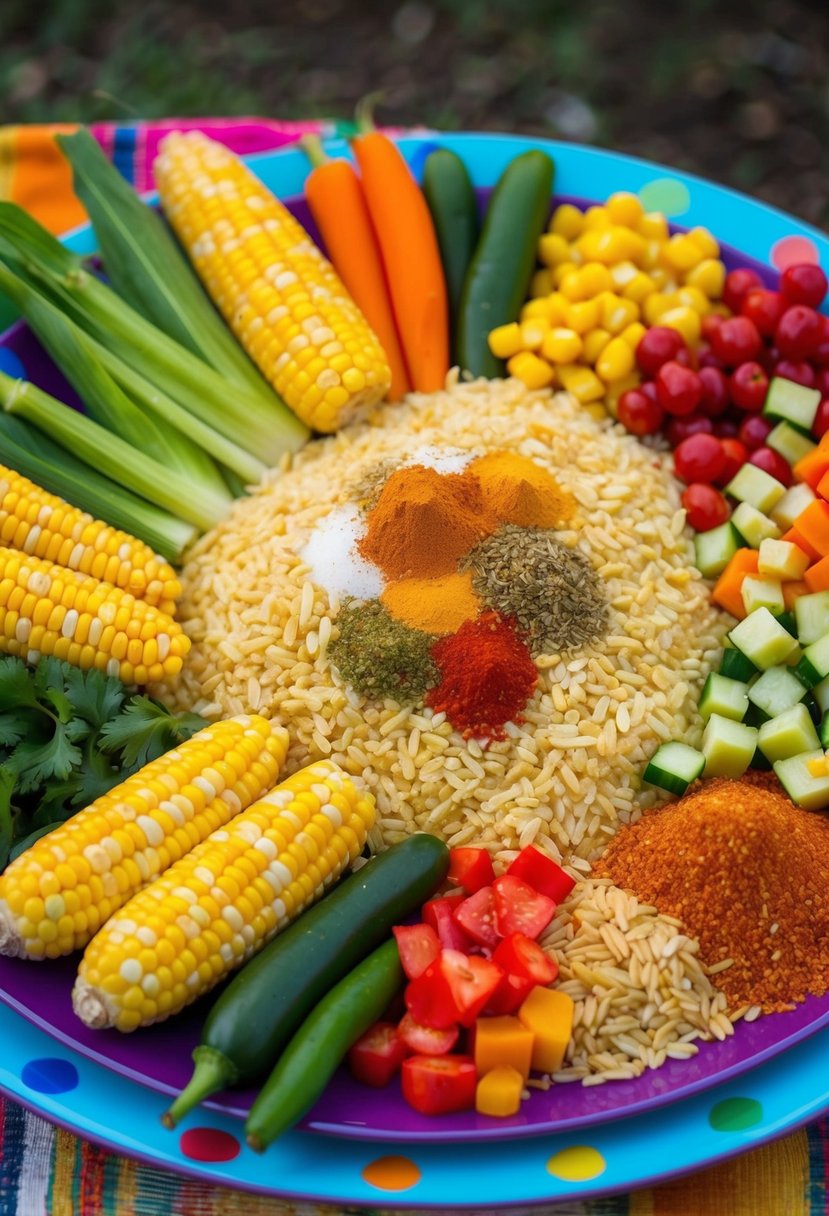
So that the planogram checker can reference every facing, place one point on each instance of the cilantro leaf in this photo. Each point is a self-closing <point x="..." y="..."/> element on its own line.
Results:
<point x="16" y="688"/>
<point x="96" y="697"/>
<point x="145" y="729"/>
<point x="13" y="728"/>
<point x="36" y="762"/>
<point x="49" y="676"/>
<point x="7" y="782"/>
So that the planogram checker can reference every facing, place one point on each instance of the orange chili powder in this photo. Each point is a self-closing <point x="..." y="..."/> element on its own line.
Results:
<point x="518" y="491"/>
<point x="745" y="870"/>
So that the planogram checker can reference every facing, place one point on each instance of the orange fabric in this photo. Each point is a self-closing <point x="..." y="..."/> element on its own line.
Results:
<point x="35" y="174"/>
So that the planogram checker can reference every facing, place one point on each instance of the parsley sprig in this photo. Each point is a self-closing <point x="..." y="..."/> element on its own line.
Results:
<point x="68" y="736"/>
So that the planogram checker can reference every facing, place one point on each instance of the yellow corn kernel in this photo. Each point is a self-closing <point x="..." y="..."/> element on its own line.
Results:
<point x="595" y="340"/>
<point x="582" y="315"/>
<point x="625" y="209"/>
<point x="533" y="332"/>
<point x="693" y="297"/>
<point x="653" y="306"/>
<point x="682" y="253"/>
<point x="561" y="272"/>
<point x="615" y="361"/>
<point x="663" y="279"/>
<point x="620" y="274"/>
<point x="594" y="278"/>
<point x="90" y="847"/>
<point x="615" y="389"/>
<point x="596" y="217"/>
<point x="553" y="249"/>
<point x="638" y="288"/>
<point x="561" y="345"/>
<point x="534" y="308"/>
<point x="269" y="863"/>
<point x="567" y="221"/>
<point x="617" y="313"/>
<point x="653" y="226"/>
<point x="818" y="767"/>
<point x="541" y="284"/>
<point x="534" y="372"/>
<point x="706" y="241"/>
<point x="505" y="340"/>
<point x="685" y="321"/>
<point x="633" y="334"/>
<point x="709" y="276"/>
<point x="582" y="382"/>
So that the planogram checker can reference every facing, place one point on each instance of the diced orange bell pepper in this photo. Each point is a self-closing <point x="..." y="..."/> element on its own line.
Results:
<point x="816" y="577"/>
<point x="792" y="592"/>
<point x="813" y="526"/>
<point x="728" y="587"/>
<point x="813" y="467"/>
<point x="502" y="1042"/>
<point x="499" y="1092"/>
<point x="796" y="537"/>
<point x="548" y="1014"/>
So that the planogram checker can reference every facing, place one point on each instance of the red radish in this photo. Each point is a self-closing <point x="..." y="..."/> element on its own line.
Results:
<point x="748" y="385"/>
<point x="699" y="458"/>
<point x="705" y="507"/>
<point x="737" y="284"/>
<point x="773" y="463"/>
<point x="678" y="388"/>
<point x="803" y="284"/>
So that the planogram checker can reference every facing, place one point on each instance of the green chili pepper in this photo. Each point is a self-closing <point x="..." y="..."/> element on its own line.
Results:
<point x="315" y="1052"/>
<point x="451" y="198"/>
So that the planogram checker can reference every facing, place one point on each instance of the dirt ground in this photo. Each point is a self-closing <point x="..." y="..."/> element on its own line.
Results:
<point x="735" y="90"/>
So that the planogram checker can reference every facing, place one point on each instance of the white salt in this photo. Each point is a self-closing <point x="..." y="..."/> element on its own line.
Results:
<point x="336" y="563"/>
<point x="442" y="460"/>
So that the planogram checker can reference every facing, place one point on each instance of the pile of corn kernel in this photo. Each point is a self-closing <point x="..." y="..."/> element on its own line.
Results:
<point x="607" y="274"/>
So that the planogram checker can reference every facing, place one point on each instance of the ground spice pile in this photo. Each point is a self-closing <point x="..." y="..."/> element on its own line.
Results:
<point x="746" y="872"/>
<point x="380" y="656"/>
<point x="518" y="491"/>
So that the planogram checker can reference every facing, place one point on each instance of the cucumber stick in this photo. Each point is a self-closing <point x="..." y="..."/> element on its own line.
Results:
<point x="714" y="549"/>
<point x="812" y="616"/>
<point x="674" y="766"/>
<point x="728" y="746"/>
<point x="765" y="641"/>
<point x="788" y="734"/>
<point x="776" y="690"/>
<point x="791" y="402"/>
<point x="814" y="665"/>
<point x="724" y="696"/>
<point x="451" y="199"/>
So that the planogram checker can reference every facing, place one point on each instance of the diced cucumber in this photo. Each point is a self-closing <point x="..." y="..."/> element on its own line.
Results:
<point x="776" y="690"/>
<point x="753" y="525"/>
<point x="759" y="761"/>
<point x="723" y="696"/>
<point x="788" y="734"/>
<point x="764" y="640"/>
<point x="727" y="746"/>
<point x="796" y="499"/>
<point x="756" y="487"/>
<point x="790" y="443"/>
<point x="763" y="593"/>
<point x="792" y="403"/>
<point x="812" y="793"/>
<point x="814" y="663"/>
<point x="674" y="766"/>
<point x="735" y="665"/>
<point x="820" y="692"/>
<point x="812" y="616"/>
<point x="755" y="716"/>
<point x="823" y="731"/>
<point x="782" y="559"/>
<point x="786" y="619"/>
<point x="714" y="549"/>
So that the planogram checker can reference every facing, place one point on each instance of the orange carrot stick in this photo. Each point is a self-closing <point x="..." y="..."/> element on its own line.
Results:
<point x="411" y="256"/>
<point x="337" y="203"/>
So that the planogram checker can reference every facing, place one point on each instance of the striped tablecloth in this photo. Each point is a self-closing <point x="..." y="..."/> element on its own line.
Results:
<point x="45" y="1171"/>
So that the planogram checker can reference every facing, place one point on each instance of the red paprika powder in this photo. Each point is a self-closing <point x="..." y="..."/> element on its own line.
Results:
<point x="487" y="675"/>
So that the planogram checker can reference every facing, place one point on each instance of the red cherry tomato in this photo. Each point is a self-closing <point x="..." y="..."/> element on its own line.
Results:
<point x="520" y="955"/>
<point x="754" y="431"/>
<point x="699" y="458"/>
<point x="710" y="322"/>
<point x="715" y="395"/>
<point x="418" y="946"/>
<point x="764" y="308"/>
<point x="705" y="507"/>
<point x="472" y="981"/>
<point x="795" y="369"/>
<point x="736" y="341"/>
<point x="799" y="332"/>
<point x="748" y="385"/>
<point x="426" y="1040"/>
<point x="804" y="284"/>
<point x="821" y="423"/>
<point x="639" y="413"/>
<point x="470" y="868"/>
<point x="726" y="428"/>
<point x="436" y="1085"/>
<point x="377" y="1055"/>
<point x="656" y="346"/>
<point x="737" y="284"/>
<point x="679" y="429"/>
<point x="678" y="388"/>
<point x="520" y="909"/>
<point x="542" y="873"/>
<point x="773" y="463"/>
<point x="475" y="917"/>
<point x="736" y="454"/>
<point x="822" y="381"/>
<point x="439" y="913"/>
<point x="820" y="355"/>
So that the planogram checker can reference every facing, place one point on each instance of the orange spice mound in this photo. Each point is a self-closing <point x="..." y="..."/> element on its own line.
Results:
<point x="424" y="521"/>
<point x="745" y="870"/>
<point x="433" y="605"/>
<point x="518" y="491"/>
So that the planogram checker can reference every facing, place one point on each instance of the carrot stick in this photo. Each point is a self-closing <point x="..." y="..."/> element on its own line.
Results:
<point x="337" y="203"/>
<point x="728" y="588"/>
<point x="411" y="256"/>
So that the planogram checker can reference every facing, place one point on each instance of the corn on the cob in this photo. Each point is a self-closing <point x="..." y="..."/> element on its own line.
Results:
<point x="49" y="610"/>
<point x="282" y="298"/>
<point x="45" y="526"/>
<point x="212" y="910"/>
<point x="56" y="895"/>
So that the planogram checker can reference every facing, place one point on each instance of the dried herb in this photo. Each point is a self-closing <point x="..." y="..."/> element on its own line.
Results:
<point x="382" y="657"/>
<point x="551" y="592"/>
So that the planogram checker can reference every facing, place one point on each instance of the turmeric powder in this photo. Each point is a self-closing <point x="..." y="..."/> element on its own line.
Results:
<point x="518" y="491"/>
<point x="433" y="605"/>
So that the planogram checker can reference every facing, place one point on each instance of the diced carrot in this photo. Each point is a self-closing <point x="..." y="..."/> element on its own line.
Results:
<point x="814" y="467"/>
<point x="816" y="577"/>
<point x="792" y="592"/>
<point x="548" y="1014"/>
<point x="728" y="588"/>
<point x="813" y="526"/>
<point x="502" y="1042"/>
<point x="797" y="538"/>
<point x="499" y="1092"/>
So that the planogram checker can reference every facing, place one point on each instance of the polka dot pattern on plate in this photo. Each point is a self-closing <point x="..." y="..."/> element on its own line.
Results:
<point x="735" y="1114"/>
<point x="391" y="1173"/>
<point x="579" y="1163"/>
<point x="666" y="194"/>
<point x="793" y="250"/>
<point x="209" y="1144"/>
<point x="50" y="1075"/>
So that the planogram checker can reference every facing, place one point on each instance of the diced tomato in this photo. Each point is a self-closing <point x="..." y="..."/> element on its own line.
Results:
<point x="439" y="914"/>
<point x="425" y="1040"/>
<point x="510" y="995"/>
<point x="520" y="956"/>
<point x="472" y="981"/>
<point x="429" y="998"/>
<point x="476" y="917"/>
<point x="470" y="868"/>
<point x="520" y="909"/>
<point x="437" y="1085"/>
<point x="542" y="873"/>
<point x="377" y="1055"/>
<point x="418" y="946"/>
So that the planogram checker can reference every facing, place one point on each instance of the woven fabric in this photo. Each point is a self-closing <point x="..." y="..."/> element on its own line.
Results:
<point x="46" y="1171"/>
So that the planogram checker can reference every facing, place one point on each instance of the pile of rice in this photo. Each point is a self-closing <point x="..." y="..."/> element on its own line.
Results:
<point x="568" y="775"/>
